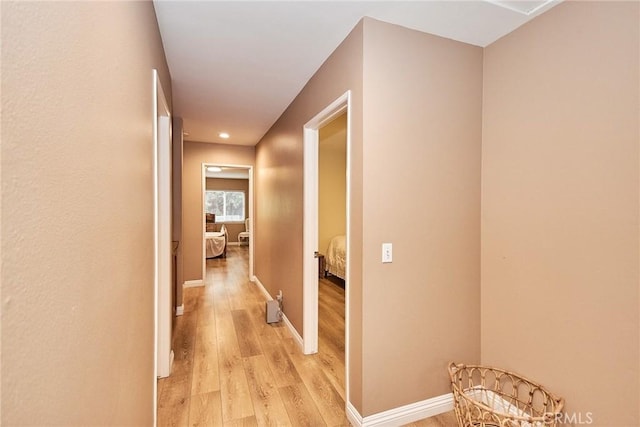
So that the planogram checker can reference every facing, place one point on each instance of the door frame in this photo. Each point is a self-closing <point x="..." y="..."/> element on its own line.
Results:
<point x="310" y="226"/>
<point x="203" y="173"/>
<point x="162" y="232"/>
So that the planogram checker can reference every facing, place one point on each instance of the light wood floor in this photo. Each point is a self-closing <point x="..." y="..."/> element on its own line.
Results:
<point x="232" y="368"/>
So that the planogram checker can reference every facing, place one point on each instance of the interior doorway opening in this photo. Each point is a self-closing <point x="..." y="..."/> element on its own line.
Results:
<point x="227" y="194"/>
<point x="332" y="199"/>
<point x="339" y="107"/>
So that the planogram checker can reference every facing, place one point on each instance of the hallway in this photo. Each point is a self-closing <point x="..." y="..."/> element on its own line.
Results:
<point x="232" y="368"/>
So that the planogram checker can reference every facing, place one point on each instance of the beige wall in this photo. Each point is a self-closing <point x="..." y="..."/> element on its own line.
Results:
<point x="436" y="167"/>
<point x="422" y="131"/>
<point x="195" y="154"/>
<point x="332" y="182"/>
<point x="77" y="230"/>
<point x="278" y="210"/>
<point x="233" y="228"/>
<point x="560" y="206"/>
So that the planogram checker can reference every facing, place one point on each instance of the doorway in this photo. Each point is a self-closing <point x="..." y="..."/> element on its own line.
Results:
<point x="332" y="199"/>
<point x="332" y="215"/>
<point x="162" y="233"/>
<point x="310" y="226"/>
<point x="224" y="187"/>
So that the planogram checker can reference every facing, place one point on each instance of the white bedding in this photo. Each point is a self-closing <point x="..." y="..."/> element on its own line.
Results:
<point x="336" y="259"/>
<point x="215" y="243"/>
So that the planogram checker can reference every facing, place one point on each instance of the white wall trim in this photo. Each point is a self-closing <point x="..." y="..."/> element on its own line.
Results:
<point x="403" y="414"/>
<point x="161" y="188"/>
<point x="162" y="228"/>
<point x="180" y="310"/>
<point x="310" y="239"/>
<point x="193" y="283"/>
<point x="233" y="243"/>
<point x="296" y="336"/>
<point x="264" y="291"/>
<point x="353" y="415"/>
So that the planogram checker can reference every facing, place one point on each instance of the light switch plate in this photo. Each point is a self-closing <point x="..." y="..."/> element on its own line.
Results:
<point x="387" y="252"/>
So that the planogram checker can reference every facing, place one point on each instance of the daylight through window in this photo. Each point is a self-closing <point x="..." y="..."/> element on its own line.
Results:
<point x="227" y="205"/>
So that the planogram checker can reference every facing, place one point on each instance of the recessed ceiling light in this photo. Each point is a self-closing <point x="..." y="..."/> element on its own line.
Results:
<point x="214" y="169"/>
<point x="223" y="135"/>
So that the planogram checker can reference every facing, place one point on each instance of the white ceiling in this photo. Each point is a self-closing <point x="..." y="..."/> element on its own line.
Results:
<point x="236" y="65"/>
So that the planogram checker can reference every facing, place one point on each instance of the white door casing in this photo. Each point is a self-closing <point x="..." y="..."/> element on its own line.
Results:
<point x="162" y="229"/>
<point x="310" y="226"/>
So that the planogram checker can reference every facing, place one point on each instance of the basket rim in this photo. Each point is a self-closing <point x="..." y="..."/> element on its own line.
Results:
<point x="455" y="367"/>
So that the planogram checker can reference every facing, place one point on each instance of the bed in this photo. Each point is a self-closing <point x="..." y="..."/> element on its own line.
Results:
<point x="216" y="243"/>
<point x="336" y="259"/>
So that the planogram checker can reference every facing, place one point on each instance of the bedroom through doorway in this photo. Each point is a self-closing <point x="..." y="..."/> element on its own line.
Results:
<point x="227" y="201"/>
<point x="332" y="230"/>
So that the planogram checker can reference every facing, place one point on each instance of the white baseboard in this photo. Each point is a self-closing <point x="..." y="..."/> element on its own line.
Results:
<point x="393" y="417"/>
<point x="264" y="291"/>
<point x="180" y="310"/>
<point x="193" y="283"/>
<point x="353" y="415"/>
<point x="233" y="243"/>
<point x="294" y="333"/>
<point x="404" y="414"/>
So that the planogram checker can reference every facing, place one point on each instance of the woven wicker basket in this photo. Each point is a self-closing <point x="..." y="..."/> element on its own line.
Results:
<point x="490" y="397"/>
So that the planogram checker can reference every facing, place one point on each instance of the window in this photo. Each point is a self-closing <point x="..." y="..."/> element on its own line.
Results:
<point x="227" y="205"/>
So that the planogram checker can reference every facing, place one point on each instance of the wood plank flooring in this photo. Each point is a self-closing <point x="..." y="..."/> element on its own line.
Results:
<point x="233" y="369"/>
